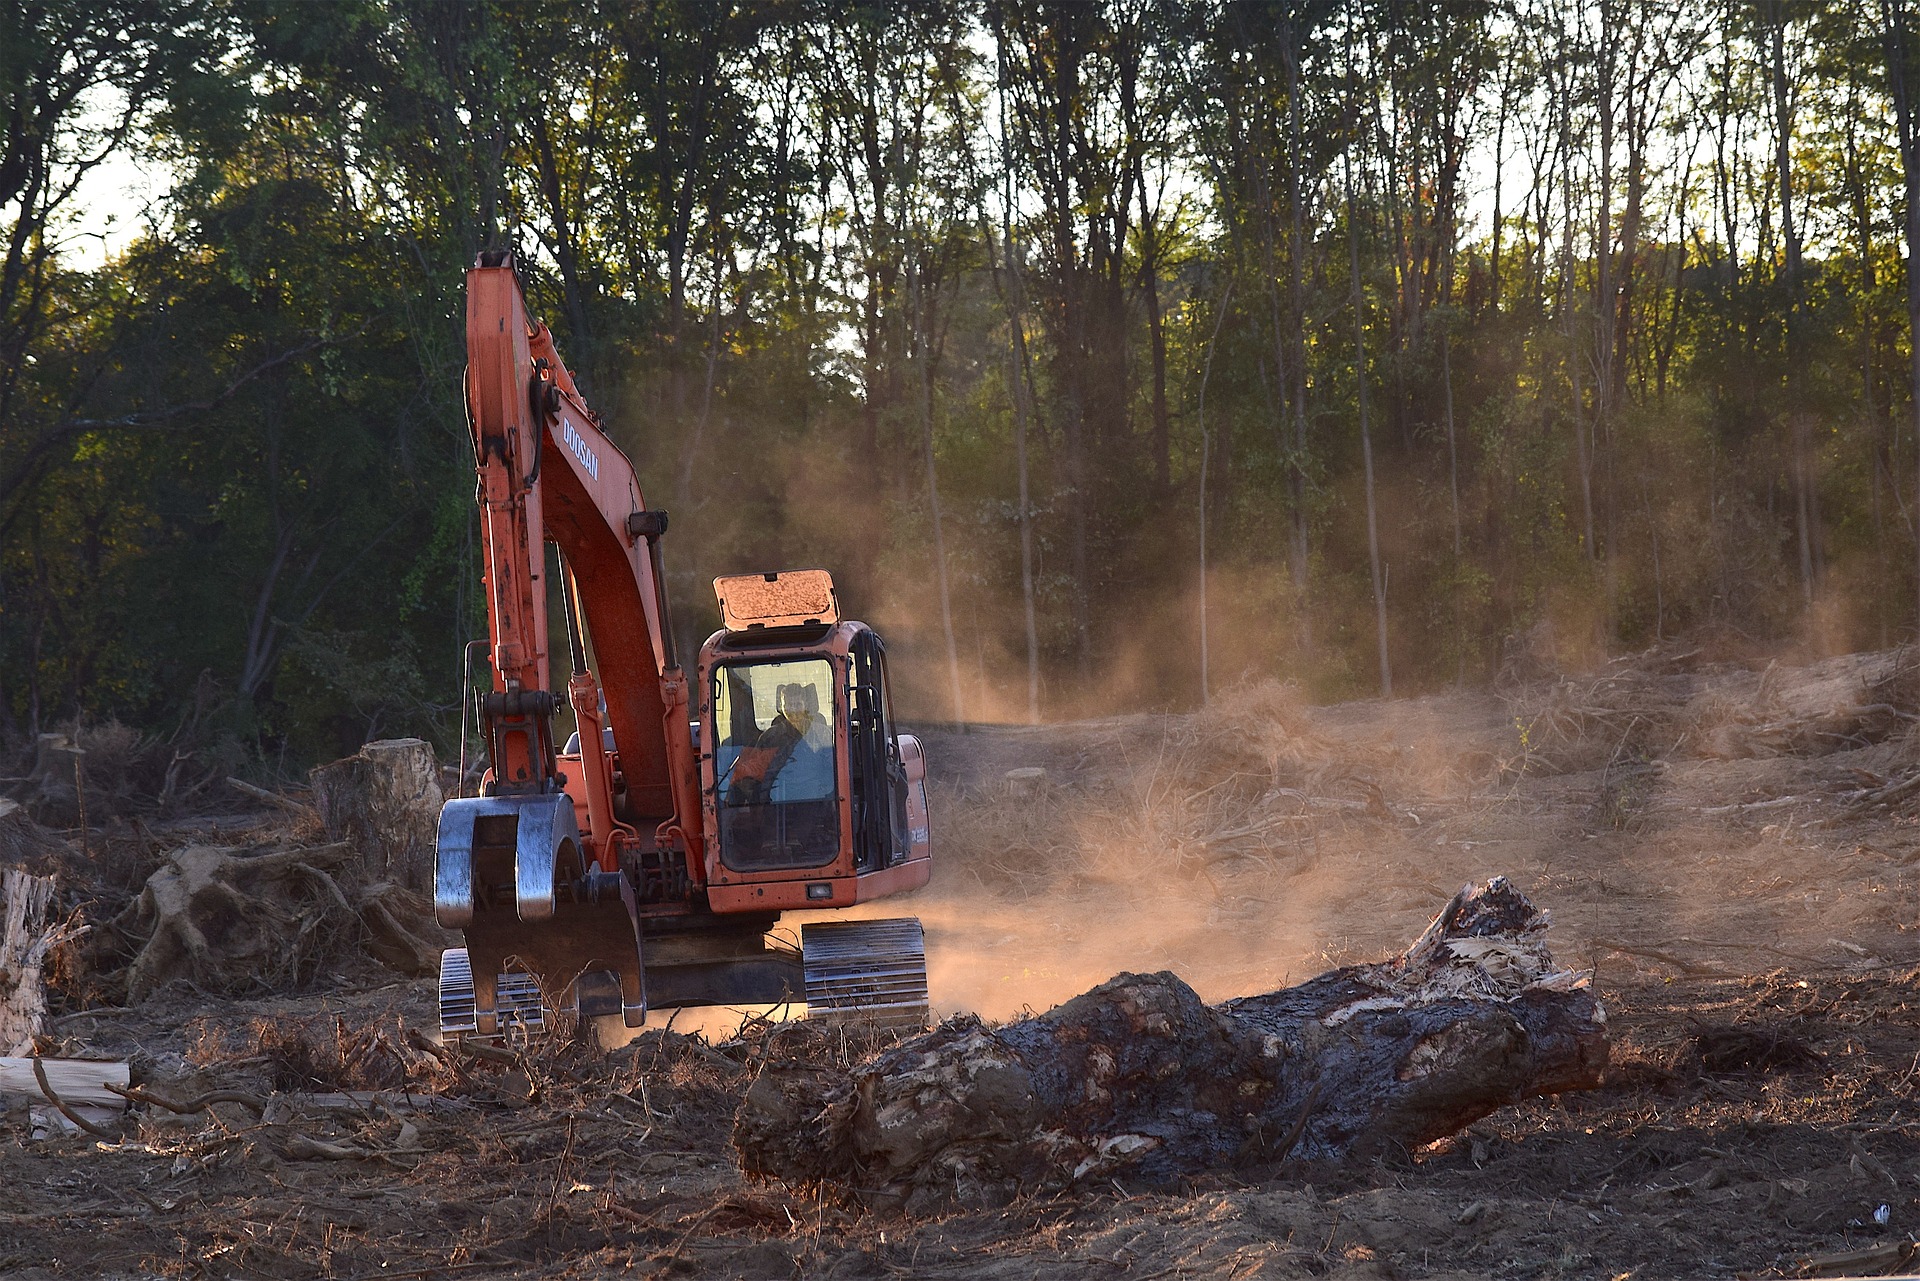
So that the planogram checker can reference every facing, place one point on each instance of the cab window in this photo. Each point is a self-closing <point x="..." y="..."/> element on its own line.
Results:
<point x="776" y="764"/>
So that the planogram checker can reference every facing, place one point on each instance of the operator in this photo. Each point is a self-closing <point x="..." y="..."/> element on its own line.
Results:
<point x="802" y="768"/>
<point x="792" y="760"/>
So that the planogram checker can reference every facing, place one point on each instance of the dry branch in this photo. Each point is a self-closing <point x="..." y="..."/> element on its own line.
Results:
<point x="1140" y="1078"/>
<point x="272" y="798"/>
<point x="186" y="1107"/>
<point x="1656" y="954"/>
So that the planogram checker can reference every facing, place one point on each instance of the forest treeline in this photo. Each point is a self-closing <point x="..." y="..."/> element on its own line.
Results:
<point x="1108" y="352"/>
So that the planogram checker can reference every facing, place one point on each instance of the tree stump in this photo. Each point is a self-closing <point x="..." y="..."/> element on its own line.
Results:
<point x="385" y="799"/>
<point x="1140" y="1078"/>
<point x="30" y="929"/>
<point x="247" y="920"/>
<point x="53" y="789"/>
<point x="35" y="865"/>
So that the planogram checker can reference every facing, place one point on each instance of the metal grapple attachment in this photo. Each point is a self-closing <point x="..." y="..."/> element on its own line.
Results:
<point x="543" y="929"/>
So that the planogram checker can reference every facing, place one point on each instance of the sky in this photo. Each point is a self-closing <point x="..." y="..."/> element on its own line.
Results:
<point x="111" y="208"/>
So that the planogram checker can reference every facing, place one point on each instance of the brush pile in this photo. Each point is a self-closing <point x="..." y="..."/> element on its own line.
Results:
<point x="95" y="773"/>
<point x="1248" y="777"/>
<point x="1140" y="1079"/>
<point x="1656" y="706"/>
<point x="244" y="903"/>
<point x="261" y="918"/>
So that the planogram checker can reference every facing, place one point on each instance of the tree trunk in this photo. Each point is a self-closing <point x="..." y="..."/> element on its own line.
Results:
<point x="1800" y="462"/>
<point x="1019" y="393"/>
<point x="924" y="403"/>
<point x="1157" y="341"/>
<point x="565" y="253"/>
<point x="1499" y="162"/>
<point x="1044" y="56"/>
<point x="1139" y="1079"/>
<point x="1206" y="371"/>
<point x="1366" y="433"/>
<point x="1899" y="68"/>
<point x="1604" y="285"/>
<point x="1296" y="289"/>
<point x="1020" y="387"/>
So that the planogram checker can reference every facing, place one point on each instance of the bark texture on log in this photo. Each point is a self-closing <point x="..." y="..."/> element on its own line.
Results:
<point x="1141" y="1078"/>
<point x="386" y="800"/>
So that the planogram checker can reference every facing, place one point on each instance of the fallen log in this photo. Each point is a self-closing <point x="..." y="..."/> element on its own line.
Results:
<point x="274" y="799"/>
<point x="1139" y="1078"/>
<point x="88" y="1081"/>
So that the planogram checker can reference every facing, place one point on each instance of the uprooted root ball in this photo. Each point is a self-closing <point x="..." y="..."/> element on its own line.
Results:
<point x="244" y="920"/>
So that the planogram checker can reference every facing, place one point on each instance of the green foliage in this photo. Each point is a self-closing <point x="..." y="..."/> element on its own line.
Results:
<point x="814" y="260"/>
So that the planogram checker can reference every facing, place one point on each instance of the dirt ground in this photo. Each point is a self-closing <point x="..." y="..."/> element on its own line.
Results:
<point x="1725" y="844"/>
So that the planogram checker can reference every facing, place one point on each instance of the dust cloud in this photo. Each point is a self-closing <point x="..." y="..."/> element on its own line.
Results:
<point x="1695" y="809"/>
<point x="1684" y="801"/>
<point x="1225" y="845"/>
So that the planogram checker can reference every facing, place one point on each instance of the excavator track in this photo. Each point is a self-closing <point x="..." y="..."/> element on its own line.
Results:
<point x="517" y="998"/>
<point x="871" y="972"/>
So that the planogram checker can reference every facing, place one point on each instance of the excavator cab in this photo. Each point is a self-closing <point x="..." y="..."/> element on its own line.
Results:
<point x="812" y="798"/>
<point x="776" y="764"/>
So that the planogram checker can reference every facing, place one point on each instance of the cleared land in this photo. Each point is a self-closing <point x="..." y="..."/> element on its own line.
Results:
<point x="1732" y="846"/>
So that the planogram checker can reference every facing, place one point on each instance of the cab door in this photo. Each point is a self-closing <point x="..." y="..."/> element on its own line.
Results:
<point x="876" y="777"/>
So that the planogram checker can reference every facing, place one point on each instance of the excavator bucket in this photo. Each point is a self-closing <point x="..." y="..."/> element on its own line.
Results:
<point x="543" y="932"/>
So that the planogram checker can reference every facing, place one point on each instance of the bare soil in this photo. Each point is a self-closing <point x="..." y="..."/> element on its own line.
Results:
<point x="1747" y="895"/>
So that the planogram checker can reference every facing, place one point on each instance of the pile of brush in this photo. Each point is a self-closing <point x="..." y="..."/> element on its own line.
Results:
<point x="1659" y="706"/>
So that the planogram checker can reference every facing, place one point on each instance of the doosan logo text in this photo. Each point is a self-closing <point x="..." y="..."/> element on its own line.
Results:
<point x="580" y="450"/>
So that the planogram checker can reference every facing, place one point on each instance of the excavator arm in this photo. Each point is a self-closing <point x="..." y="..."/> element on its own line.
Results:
<point x="518" y="856"/>
<point x="548" y="473"/>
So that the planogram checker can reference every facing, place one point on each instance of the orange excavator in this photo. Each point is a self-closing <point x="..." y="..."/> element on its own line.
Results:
<point x="645" y="863"/>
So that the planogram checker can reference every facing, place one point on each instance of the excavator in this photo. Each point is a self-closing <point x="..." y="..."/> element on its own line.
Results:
<point x="645" y="863"/>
